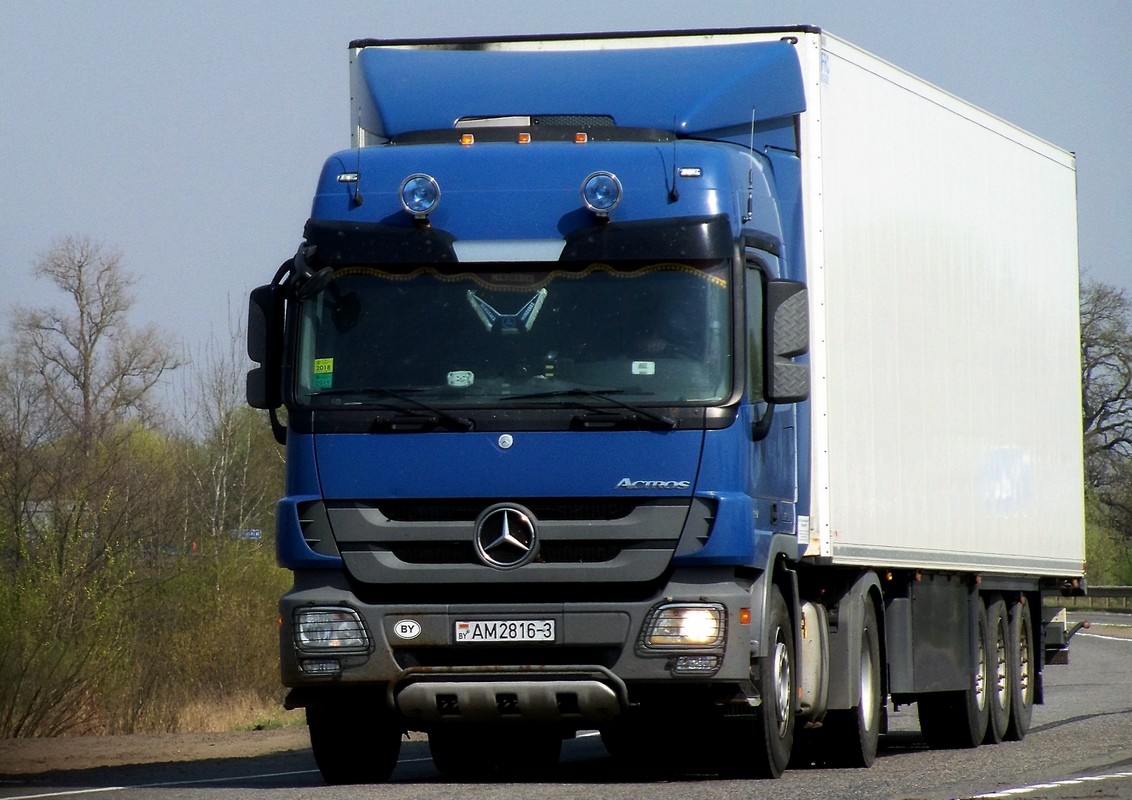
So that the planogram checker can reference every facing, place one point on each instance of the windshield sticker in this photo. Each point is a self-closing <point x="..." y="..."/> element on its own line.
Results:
<point x="461" y="378"/>
<point x="644" y="367"/>
<point x="323" y="377"/>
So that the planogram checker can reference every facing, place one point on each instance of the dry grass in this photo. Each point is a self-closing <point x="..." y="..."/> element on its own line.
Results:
<point x="242" y="712"/>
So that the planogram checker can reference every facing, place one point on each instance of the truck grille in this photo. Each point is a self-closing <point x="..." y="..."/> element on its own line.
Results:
<point x="463" y="553"/>
<point x="429" y="541"/>
<point x="544" y="509"/>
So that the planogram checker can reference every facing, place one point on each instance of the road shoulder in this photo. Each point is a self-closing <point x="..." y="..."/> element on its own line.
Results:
<point x="25" y="757"/>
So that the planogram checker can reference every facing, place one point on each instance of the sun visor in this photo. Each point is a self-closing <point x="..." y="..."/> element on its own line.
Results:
<point x="339" y="243"/>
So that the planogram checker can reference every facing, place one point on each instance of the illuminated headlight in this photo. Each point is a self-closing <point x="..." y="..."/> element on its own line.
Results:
<point x="419" y="195"/>
<point x="330" y="629"/>
<point x="686" y="625"/>
<point x="601" y="192"/>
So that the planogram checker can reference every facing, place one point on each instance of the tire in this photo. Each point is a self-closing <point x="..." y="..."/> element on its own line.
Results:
<point x="763" y="747"/>
<point x="474" y="751"/>
<point x="460" y="752"/>
<point x="536" y="753"/>
<point x="353" y="746"/>
<point x="1000" y="680"/>
<point x="628" y="741"/>
<point x="960" y="719"/>
<point x="852" y="734"/>
<point x="1023" y="671"/>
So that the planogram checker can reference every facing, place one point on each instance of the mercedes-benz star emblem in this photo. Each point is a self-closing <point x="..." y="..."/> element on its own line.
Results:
<point x="506" y="537"/>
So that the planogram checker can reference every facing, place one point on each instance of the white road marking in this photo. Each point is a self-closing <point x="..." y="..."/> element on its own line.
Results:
<point x="230" y="779"/>
<point x="102" y="789"/>
<point x="1101" y="636"/>
<point x="1037" y="787"/>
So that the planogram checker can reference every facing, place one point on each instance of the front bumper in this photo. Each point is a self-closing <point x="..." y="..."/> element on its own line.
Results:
<point x="589" y="674"/>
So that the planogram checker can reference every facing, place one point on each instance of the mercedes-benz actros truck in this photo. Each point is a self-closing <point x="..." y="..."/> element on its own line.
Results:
<point x="716" y="390"/>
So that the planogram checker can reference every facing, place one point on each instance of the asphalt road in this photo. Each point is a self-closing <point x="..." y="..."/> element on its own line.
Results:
<point x="1080" y="746"/>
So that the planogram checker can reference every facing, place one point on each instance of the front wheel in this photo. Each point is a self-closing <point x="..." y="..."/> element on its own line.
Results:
<point x="476" y="751"/>
<point x="765" y="750"/>
<point x="353" y="746"/>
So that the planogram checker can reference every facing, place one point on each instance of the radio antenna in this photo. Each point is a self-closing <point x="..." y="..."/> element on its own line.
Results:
<point x="674" y="192"/>
<point x="751" y="173"/>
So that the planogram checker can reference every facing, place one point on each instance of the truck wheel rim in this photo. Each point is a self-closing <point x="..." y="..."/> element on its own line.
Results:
<point x="1024" y="666"/>
<point x="781" y="686"/>
<point x="981" y="677"/>
<point x="868" y="684"/>
<point x="1001" y="670"/>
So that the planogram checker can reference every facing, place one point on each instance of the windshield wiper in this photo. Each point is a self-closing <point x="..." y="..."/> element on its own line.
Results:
<point x="417" y="413"/>
<point x="636" y="413"/>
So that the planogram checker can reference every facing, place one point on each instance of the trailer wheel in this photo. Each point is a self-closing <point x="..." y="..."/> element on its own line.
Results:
<point x="772" y="727"/>
<point x="853" y="733"/>
<point x="353" y="746"/>
<point x="960" y="719"/>
<point x="1000" y="683"/>
<point x="1022" y="673"/>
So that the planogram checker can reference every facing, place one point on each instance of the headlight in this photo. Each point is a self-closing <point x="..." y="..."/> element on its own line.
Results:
<point x="330" y="629"/>
<point x="686" y="626"/>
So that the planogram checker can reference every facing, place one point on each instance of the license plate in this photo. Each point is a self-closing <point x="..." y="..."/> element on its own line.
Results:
<point x="504" y="630"/>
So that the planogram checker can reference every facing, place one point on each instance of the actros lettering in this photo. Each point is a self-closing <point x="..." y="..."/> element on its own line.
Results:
<point x="629" y="483"/>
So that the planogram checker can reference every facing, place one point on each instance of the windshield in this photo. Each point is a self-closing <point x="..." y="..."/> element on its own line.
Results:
<point x="507" y="334"/>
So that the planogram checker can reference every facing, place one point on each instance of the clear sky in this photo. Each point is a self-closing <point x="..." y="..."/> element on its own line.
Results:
<point x="189" y="136"/>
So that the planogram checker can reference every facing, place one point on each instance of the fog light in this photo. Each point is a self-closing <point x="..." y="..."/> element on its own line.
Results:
<point x="695" y="665"/>
<point x="321" y="666"/>
<point x="686" y="625"/>
<point x="330" y="629"/>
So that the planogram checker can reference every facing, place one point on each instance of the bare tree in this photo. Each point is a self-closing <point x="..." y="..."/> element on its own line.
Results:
<point x="79" y="500"/>
<point x="1106" y="401"/>
<point x="26" y="424"/>
<point x="95" y="374"/>
<point x="237" y="470"/>
<point x="96" y="368"/>
<point x="1106" y="380"/>
<point x="99" y="494"/>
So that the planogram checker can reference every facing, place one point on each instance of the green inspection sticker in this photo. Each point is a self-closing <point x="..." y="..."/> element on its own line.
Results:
<point x="323" y="373"/>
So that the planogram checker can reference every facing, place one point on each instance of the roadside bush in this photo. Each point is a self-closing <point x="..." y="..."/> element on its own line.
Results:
<point x="205" y="637"/>
<point x="62" y="647"/>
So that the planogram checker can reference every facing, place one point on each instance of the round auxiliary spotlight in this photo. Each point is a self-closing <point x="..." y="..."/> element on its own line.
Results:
<point x="419" y="194"/>
<point x="601" y="192"/>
